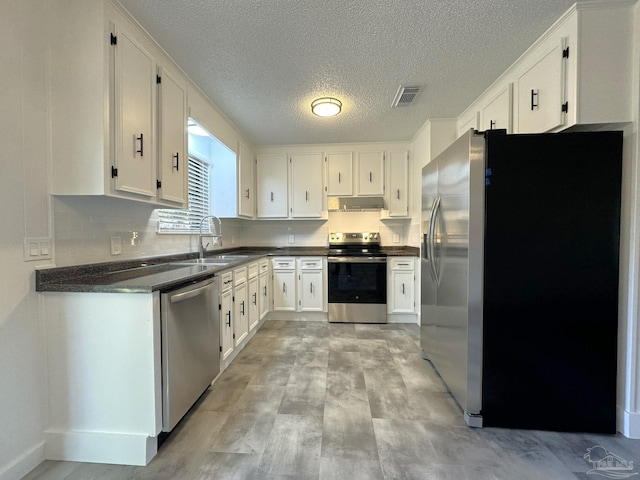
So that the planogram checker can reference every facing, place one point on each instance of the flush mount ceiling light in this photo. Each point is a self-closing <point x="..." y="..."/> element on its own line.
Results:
<point x="326" y="106"/>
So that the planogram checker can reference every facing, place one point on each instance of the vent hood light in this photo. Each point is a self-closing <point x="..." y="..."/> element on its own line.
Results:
<point x="326" y="106"/>
<point x="355" y="204"/>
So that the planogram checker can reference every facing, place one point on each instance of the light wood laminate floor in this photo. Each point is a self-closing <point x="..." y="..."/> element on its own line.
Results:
<point x="311" y="400"/>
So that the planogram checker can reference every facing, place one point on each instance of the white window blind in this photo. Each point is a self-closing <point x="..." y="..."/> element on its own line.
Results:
<point x="188" y="221"/>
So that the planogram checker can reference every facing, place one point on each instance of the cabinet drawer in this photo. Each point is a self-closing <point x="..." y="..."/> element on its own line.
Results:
<point x="253" y="269"/>
<point x="226" y="280"/>
<point x="239" y="275"/>
<point x="283" y="263"/>
<point x="263" y="265"/>
<point x="402" y="263"/>
<point x="310" y="264"/>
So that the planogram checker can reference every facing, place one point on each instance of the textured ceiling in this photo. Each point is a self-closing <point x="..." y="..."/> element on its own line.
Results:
<point x="262" y="62"/>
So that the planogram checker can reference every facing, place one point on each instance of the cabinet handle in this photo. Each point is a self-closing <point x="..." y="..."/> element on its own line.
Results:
<point x="492" y="124"/>
<point x="247" y="195"/>
<point x="306" y="195"/>
<point x="177" y="159"/>
<point x="242" y="305"/>
<point x="272" y="196"/>
<point x="229" y="317"/>
<point x="255" y="298"/>
<point x="265" y="290"/>
<point x="534" y="99"/>
<point x="141" y="140"/>
<point x="339" y="178"/>
<point x="370" y="177"/>
<point x="398" y="195"/>
<point x="403" y="288"/>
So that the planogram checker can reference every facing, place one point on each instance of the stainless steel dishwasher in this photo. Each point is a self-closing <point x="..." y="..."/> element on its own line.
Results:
<point x="190" y="347"/>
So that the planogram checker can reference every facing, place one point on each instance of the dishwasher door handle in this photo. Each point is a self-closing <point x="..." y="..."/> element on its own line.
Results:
<point x="180" y="297"/>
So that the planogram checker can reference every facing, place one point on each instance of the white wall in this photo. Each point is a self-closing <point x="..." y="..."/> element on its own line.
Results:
<point x="25" y="212"/>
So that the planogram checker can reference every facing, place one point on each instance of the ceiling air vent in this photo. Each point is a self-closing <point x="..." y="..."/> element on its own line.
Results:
<point x="405" y="96"/>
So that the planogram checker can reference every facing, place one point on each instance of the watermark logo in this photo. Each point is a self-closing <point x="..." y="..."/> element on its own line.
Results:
<point x="608" y="464"/>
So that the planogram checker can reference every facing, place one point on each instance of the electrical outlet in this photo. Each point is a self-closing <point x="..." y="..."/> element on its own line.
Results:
<point x="116" y="245"/>
<point x="396" y="238"/>
<point x="292" y="238"/>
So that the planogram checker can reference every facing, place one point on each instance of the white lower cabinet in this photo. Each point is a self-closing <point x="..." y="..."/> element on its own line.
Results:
<point x="264" y="288"/>
<point x="226" y="312"/>
<point x="401" y="285"/>
<point x="284" y="284"/>
<point x="253" y="308"/>
<point x="311" y="289"/>
<point x="240" y="300"/>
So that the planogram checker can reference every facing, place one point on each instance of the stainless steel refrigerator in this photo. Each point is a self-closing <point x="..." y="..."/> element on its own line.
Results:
<point x="519" y="265"/>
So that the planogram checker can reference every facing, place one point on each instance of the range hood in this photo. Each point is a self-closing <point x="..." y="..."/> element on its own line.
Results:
<point x="355" y="204"/>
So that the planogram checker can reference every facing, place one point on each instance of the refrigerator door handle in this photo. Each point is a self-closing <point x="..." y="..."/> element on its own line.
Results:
<point x="431" y="240"/>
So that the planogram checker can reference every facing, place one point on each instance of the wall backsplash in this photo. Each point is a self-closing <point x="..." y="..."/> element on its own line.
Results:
<point x="84" y="226"/>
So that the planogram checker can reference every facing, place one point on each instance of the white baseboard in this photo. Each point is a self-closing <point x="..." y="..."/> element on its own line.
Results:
<point x="629" y="423"/>
<point x="100" y="447"/>
<point x="402" y="318"/>
<point x="24" y="464"/>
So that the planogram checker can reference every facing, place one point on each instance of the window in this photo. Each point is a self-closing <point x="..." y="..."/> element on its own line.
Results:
<point x="188" y="221"/>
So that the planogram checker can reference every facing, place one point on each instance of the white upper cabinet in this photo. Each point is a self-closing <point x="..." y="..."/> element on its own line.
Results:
<point x="271" y="179"/>
<point x="306" y="185"/>
<point x="370" y="174"/>
<point x="496" y="114"/>
<point x="467" y="121"/>
<point x="398" y="200"/>
<point x="246" y="182"/>
<point x="340" y="174"/>
<point x="541" y="92"/>
<point x="172" y="129"/>
<point x="579" y="72"/>
<point x="108" y="117"/>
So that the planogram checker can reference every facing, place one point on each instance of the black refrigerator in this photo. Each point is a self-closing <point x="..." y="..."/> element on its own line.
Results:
<point x="519" y="285"/>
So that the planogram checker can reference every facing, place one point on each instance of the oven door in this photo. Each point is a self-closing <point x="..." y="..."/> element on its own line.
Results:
<point x="357" y="290"/>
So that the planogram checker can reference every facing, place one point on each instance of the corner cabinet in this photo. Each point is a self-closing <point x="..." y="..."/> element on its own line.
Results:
<point x="107" y="110"/>
<point x="398" y="201"/>
<point x="247" y="194"/>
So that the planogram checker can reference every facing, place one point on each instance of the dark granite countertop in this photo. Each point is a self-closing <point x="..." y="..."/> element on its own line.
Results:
<point x="165" y="272"/>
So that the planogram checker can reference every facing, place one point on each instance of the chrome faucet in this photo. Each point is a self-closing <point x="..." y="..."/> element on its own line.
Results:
<point x="216" y="234"/>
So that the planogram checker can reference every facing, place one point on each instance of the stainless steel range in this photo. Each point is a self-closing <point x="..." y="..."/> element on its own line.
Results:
<point x="357" y="278"/>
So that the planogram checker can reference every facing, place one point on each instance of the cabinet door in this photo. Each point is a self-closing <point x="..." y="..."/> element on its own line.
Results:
<point x="497" y="113"/>
<point x="402" y="295"/>
<point x="371" y="174"/>
<point x="241" y="313"/>
<point x="135" y="82"/>
<point x="306" y="185"/>
<point x="271" y="179"/>
<point x="311" y="293"/>
<point x="245" y="182"/>
<point x="398" y="184"/>
<point x="172" y="159"/>
<point x="541" y="93"/>
<point x="226" y="324"/>
<point x="340" y="174"/>
<point x="263" y="284"/>
<point x="284" y="290"/>
<point x="254" y="305"/>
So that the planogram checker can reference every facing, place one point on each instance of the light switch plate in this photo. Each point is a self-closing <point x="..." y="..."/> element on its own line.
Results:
<point x="292" y="238"/>
<point x="37" y="248"/>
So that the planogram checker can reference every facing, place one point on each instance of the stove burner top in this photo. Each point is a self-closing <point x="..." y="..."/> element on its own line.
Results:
<point x="355" y="244"/>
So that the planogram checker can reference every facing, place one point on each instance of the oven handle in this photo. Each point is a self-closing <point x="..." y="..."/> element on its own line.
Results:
<point x="356" y="259"/>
